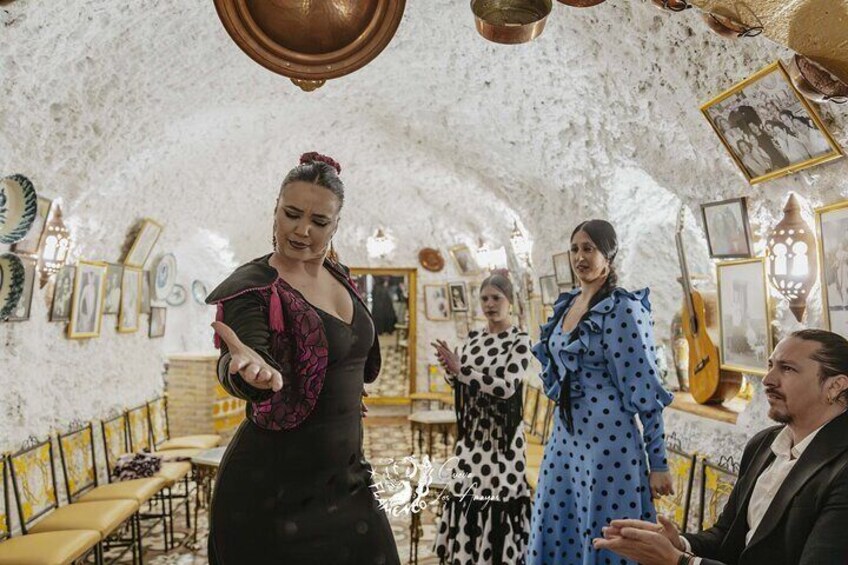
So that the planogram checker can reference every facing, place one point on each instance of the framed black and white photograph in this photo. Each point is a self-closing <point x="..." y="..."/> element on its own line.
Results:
<point x="465" y="261"/>
<point x="31" y="242"/>
<point x="21" y="311"/>
<point x="462" y="325"/>
<point x="436" y="306"/>
<point x="146" y="285"/>
<point x="562" y="269"/>
<point x="87" y="304"/>
<point x="474" y="304"/>
<point x="744" y="316"/>
<point x="832" y="227"/>
<point x="727" y="228"/>
<point x="157" y="321"/>
<point x="458" y="297"/>
<point x="768" y="127"/>
<point x="112" y="298"/>
<point x="549" y="289"/>
<point x="131" y="283"/>
<point x="143" y="243"/>
<point x="63" y="291"/>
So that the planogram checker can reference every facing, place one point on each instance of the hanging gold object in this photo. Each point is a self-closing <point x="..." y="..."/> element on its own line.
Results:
<point x="311" y="41"/>
<point x="308" y="85"/>
<point x="792" y="263"/>
<point x="817" y="83"/>
<point x="672" y="5"/>
<point x="511" y="21"/>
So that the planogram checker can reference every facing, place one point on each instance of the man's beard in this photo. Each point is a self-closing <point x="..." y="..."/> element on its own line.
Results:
<point x="779" y="417"/>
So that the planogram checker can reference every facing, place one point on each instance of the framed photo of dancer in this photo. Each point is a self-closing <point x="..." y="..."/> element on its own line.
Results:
<point x="436" y="305"/>
<point x="143" y="243"/>
<point x="465" y="262"/>
<point x="130" y="303"/>
<point x="63" y="291"/>
<point x="87" y="304"/>
<point x="549" y="289"/>
<point x="832" y="228"/>
<point x="768" y="127"/>
<point x="112" y="298"/>
<point x="744" y="316"/>
<point x="727" y="228"/>
<point x="562" y="269"/>
<point x="458" y="297"/>
<point x="157" y="321"/>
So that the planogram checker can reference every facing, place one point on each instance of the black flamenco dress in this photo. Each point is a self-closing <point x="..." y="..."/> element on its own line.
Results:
<point x="302" y="495"/>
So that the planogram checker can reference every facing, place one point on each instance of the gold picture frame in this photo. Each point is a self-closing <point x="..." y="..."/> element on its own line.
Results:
<point x="833" y="266"/>
<point x="129" y="313"/>
<point x="768" y="127"/>
<point x="740" y="302"/>
<point x="146" y="237"/>
<point x="464" y="260"/>
<point x="436" y="302"/>
<point x="89" y="285"/>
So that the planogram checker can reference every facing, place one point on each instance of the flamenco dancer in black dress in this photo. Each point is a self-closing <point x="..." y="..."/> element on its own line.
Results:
<point x="298" y="345"/>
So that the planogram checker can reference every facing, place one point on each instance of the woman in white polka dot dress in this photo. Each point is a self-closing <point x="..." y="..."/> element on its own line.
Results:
<point x="486" y="515"/>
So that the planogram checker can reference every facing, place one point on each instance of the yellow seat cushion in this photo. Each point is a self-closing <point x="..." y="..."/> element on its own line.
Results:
<point x="50" y="548"/>
<point x="532" y="477"/>
<point x="202" y="441"/>
<point x="140" y="490"/>
<point x="102" y="516"/>
<point x="172" y="454"/>
<point x="535" y="453"/>
<point x="173" y="472"/>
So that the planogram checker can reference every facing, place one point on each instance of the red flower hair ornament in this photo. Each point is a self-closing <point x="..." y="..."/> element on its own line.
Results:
<point x="315" y="156"/>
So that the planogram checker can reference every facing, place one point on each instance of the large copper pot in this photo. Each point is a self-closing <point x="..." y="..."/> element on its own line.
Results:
<point x="730" y="28"/>
<point x="511" y="21"/>
<point x="672" y="5"/>
<point x="816" y="82"/>
<point x="311" y="40"/>
<point x="581" y="3"/>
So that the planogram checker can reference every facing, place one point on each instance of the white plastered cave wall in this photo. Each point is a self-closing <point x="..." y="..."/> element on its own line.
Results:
<point x="148" y="109"/>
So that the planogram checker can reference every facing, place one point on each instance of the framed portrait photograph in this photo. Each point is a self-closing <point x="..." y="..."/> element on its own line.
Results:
<point x="63" y="291"/>
<point x="87" y="303"/>
<point x="562" y="269"/>
<point x="768" y="127"/>
<point x="112" y="298"/>
<point x="744" y="317"/>
<point x="462" y="325"/>
<point x="31" y="242"/>
<point x="157" y="321"/>
<point x="465" y="261"/>
<point x="21" y="311"/>
<point x="549" y="289"/>
<point x="130" y="303"/>
<point x="143" y="243"/>
<point x="458" y="297"/>
<point x="436" y="306"/>
<point x="146" y="284"/>
<point x="832" y="228"/>
<point x="474" y="304"/>
<point x="727" y="228"/>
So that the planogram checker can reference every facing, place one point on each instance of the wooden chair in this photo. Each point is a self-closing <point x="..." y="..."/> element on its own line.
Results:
<point x="531" y="398"/>
<point x="717" y="482"/>
<point x="161" y="432"/>
<point x="681" y="466"/>
<point x="34" y="482"/>
<point x="49" y="548"/>
<point x="79" y="468"/>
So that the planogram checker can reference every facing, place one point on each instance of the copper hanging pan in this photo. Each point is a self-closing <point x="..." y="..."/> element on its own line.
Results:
<point x="672" y="5"/>
<point x="817" y="83"/>
<point x="510" y="21"/>
<point x="729" y="28"/>
<point x="581" y="3"/>
<point x="311" y="42"/>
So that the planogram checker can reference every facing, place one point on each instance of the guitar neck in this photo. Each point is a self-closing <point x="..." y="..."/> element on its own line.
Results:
<point x="687" y="284"/>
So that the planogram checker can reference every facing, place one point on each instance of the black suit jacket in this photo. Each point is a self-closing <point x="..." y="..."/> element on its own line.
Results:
<point x="806" y="522"/>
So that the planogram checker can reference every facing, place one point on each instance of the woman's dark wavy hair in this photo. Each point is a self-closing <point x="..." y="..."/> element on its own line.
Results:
<point x="319" y="169"/>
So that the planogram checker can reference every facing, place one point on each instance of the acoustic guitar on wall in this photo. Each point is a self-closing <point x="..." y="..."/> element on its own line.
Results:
<point x="707" y="382"/>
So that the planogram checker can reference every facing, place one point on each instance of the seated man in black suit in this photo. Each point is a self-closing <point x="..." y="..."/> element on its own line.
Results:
<point x="790" y="504"/>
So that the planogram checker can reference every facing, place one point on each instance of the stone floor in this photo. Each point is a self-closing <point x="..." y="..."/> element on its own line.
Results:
<point x="387" y="439"/>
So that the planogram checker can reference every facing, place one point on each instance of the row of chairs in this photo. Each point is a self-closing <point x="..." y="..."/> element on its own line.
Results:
<point x="716" y="480"/>
<point x="96" y="517"/>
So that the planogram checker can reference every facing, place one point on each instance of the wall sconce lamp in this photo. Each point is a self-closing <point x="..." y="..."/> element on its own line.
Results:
<point x="379" y="244"/>
<point x="792" y="263"/>
<point x="56" y="245"/>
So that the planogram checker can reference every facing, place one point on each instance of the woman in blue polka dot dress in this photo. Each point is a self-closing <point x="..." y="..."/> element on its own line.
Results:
<point x="599" y="364"/>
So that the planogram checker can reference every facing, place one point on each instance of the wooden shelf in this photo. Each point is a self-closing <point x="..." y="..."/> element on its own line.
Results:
<point x="727" y="412"/>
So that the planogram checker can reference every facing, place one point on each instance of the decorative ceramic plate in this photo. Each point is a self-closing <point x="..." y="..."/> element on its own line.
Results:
<point x="165" y="276"/>
<point x="178" y="296"/>
<point x="18" y="207"/>
<point x="12" y="277"/>
<point x="431" y="259"/>
<point x="199" y="292"/>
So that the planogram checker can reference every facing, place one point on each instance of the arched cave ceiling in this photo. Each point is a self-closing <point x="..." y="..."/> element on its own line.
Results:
<point x="147" y="108"/>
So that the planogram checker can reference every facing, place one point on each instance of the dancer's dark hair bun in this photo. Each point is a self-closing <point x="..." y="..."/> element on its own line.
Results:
<point x="315" y="156"/>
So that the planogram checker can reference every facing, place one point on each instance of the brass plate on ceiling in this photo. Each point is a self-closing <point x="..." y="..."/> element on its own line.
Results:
<point x="311" y="40"/>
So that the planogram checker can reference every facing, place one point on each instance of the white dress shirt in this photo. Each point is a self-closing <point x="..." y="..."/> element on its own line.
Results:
<point x="770" y="481"/>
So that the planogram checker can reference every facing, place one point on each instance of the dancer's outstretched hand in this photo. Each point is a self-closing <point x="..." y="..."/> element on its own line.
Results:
<point x="247" y="363"/>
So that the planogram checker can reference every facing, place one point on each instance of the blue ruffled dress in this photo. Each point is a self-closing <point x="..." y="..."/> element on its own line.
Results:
<point x="599" y="472"/>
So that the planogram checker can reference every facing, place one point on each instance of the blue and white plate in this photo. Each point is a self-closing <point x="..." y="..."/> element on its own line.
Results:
<point x="199" y="292"/>
<point x="178" y="296"/>
<point x="12" y="277"/>
<point x="164" y="276"/>
<point x="18" y="207"/>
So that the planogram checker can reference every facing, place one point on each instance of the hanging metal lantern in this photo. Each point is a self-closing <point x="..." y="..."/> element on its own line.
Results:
<point x="57" y="245"/>
<point x="792" y="263"/>
<point x="311" y="42"/>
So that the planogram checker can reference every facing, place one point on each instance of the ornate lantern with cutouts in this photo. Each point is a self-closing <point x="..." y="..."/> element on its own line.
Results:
<point x="57" y="244"/>
<point x="792" y="263"/>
